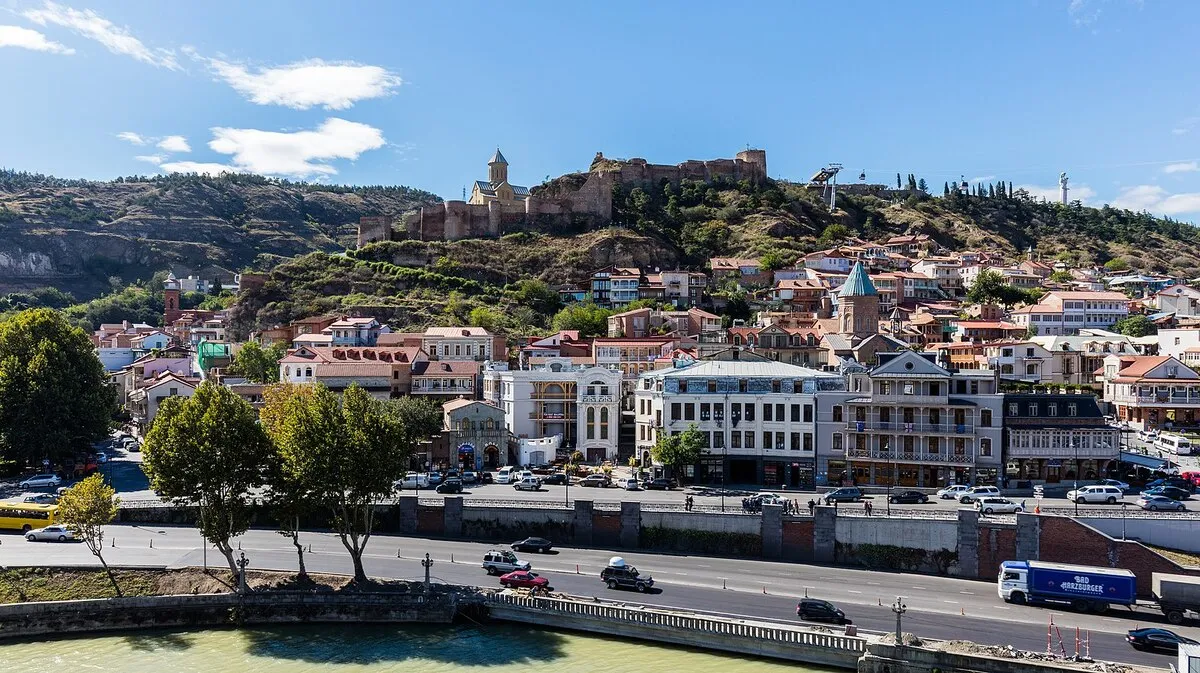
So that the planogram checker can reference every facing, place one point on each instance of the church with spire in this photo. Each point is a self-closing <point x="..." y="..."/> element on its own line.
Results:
<point x="854" y="335"/>
<point x="497" y="187"/>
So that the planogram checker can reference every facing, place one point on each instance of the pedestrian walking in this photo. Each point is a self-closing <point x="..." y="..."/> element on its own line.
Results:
<point x="812" y="506"/>
<point x="867" y="506"/>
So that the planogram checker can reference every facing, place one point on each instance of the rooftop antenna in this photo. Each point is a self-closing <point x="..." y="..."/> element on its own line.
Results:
<point x="464" y="193"/>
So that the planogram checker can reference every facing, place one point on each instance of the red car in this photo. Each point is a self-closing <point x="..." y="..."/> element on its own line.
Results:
<point x="525" y="580"/>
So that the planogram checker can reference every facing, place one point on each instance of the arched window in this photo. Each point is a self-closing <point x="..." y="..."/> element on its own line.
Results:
<point x="287" y="371"/>
<point x="591" y="422"/>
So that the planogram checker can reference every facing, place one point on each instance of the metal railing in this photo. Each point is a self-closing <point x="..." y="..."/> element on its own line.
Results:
<point x="893" y="426"/>
<point x="646" y="616"/>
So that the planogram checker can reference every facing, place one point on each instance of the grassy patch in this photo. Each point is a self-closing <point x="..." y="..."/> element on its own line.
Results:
<point x="51" y="584"/>
<point x="1183" y="558"/>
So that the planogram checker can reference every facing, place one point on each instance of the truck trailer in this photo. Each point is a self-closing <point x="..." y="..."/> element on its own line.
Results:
<point x="1081" y="587"/>
<point x="1178" y="596"/>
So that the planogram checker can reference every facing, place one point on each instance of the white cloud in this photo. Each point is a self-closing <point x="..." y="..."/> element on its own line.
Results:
<point x="91" y="25"/>
<point x="131" y="137"/>
<point x="1083" y="12"/>
<point x="198" y="167"/>
<point x="1075" y="192"/>
<point x="299" y="154"/>
<point x="15" y="36"/>
<point x="174" y="144"/>
<point x="1179" y="131"/>
<point x="1155" y="199"/>
<point x="982" y="178"/>
<point x="1182" y="167"/>
<point x="306" y="84"/>
<point x="155" y="159"/>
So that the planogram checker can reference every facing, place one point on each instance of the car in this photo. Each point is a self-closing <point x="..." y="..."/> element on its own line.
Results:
<point x="1157" y="640"/>
<point x="844" y="494"/>
<point x="41" y="499"/>
<point x="506" y="475"/>
<point x="996" y="505"/>
<point x="1147" y="436"/>
<point x="413" y="480"/>
<point x="54" y="533"/>
<point x="485" y="478"/>
<point x="469" y="477"/>
<point x="1116" y="483"/>
<point x="976" y="492"/>
<point x="908" y="498"/>
<point x="525" y="580"/>
<point x="595" y="480"/>
<point x="1169" y="492"/>
<point x="620" y="575"/>
<point x="1155" y="503"/>
<point x="953" y="491"/>
<point x="435" y="478"/>
<point x="1177" y="482"/>
<point x="539" y="545"/>
<point x="132" y="447"/>
<point x="528" y="484"/>
<point x="41" y="481"/>
<point x="1098" y="493"/>
<point x="556" y="479"/>
<point x="450" y="486"/>
<point x="660" y="484"/>
<point x="817" y="610"/>
<point x="61" y="490"/>
<point x="629" y="484"/>
<point x="502" y="561"/>
<point x="100" y="458"/>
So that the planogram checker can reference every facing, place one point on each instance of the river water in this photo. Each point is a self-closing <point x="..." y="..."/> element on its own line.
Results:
<point x="369" y="649"/>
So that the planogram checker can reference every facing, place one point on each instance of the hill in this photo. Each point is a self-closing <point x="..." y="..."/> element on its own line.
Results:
<point x="76" y="235"/>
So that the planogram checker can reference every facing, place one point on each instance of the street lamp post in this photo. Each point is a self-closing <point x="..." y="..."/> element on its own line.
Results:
<point x="891" y="480"/>
<point x="899" y="608"/>
<point x="427" y="563"/>
<point x="242" y="562"/>
<point x="1075" y="447"/>
<point x="1124" y="508"/>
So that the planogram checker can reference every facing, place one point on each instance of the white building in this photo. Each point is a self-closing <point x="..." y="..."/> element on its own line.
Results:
<point x="758" y="418"/>
<point x="1068" y="312"/>
<point x="1178" y="342"/>
<point x="1182" y="300"/>
<point x="462" y="343"/>
<point x="581" y="403"/>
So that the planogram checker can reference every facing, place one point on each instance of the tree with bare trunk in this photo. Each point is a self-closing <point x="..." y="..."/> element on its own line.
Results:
<point x="86" y="508"/>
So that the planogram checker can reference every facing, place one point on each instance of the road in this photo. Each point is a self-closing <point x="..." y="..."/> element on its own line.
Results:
<point x="938" y="607"/>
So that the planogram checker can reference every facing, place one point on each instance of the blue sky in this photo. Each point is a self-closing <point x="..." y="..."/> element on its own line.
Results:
<point x="421" y="93"/>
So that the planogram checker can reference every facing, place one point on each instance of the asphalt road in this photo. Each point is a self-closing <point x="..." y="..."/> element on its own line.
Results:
<point x="938" y="607"/>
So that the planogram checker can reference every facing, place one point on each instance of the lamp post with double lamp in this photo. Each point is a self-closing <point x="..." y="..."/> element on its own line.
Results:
<point x="899" y="608"/>
<point x="1075" y="448"/>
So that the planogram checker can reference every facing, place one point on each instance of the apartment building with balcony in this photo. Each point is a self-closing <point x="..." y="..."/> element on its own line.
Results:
<point x="446" y="379"/>
<point x="1023" y="361"/>
<point x="946" y="271"/>
<point x="758" y="418"/>
<point x="1152" y="391"/>
<point x="625" y="287"/>
<point x="1067" y="313"/>
<point x="632" y="357"/>
<point x="802" y="295"/>
<point x="354" y="332"/>
<point x="681" y="289"/>
<point x="463" y="343"/>
<point x="579" y="403"/>
<point x="1051" y="438"/>
<point x="911" y="421"/>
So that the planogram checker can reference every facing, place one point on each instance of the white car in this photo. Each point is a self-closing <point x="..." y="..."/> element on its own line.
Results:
<point x="413" y="480"/>
<point x="527" y="484"/>
<point x="629" y="484"/>
<point x="972" y="494"/>
<point x="505" y="475"/>
<point x="41" y="481"/>
<point x="1147" y="436"/>
<point x="953" y="491"/>
<point x="54" y="533"/>
<point x="1108" y="494"/>
<point x="996" y="505"/>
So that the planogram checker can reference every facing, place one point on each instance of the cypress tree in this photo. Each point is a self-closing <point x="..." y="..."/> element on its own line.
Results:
<point x="945" y="189"/>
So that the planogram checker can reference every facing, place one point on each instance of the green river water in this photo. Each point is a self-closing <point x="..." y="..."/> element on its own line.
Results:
<point x="368" y="649"/>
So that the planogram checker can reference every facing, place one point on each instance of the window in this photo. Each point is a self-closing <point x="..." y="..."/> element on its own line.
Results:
<point x="985" y="447"/>
<point x="712" y="386"/>
<point x="768" y="412"/>
<point x="779" y="413"/>
<point x="749" y="440"/>
<point x="735" y="440"/>
<point x="1033" y="409"/>
<point x="689" y="412"/>
<point x="1072" y="409"/>
<point x="1013" y="409"/>
<point x="795" y="443"/>
<point x="675" y="412"/>
<point x="795" y="413"/>
<point x="837" y="441"/>
<point x="743" y="386"/>
<point x="808" y="441"/>
<point x="591" y="423"/>
<point x="974" y="387"/>
<point x="750" y="411"/>
<point x="776" y="386"/>
<point x="604" y="423"/>
<point x="935" y="389"/>
<point x="837" y="413"/>
<point x="885" y="415"/>
<point x="808" y="413"/>
<point x="985" y="418"/>
<point x="933" y="445"/>
<point x="779" y="441"/>
<point x="1052" y="409"/>
<point x="719" y="439"/>
<point x="767" y="440"/>
<point x="705" y="411"/>
<point x="735" y="412"/>
<point x="1028" y="352"/>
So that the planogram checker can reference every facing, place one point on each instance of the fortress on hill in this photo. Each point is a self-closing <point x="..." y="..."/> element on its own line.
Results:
<point x="574" y="201"/>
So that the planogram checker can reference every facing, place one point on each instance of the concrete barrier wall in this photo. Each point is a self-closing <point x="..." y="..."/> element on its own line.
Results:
<point x="925" y="534"/>
<point x="1182" y="534"/>
<point x="711" y="523"/>
<point x="513" y="523"/>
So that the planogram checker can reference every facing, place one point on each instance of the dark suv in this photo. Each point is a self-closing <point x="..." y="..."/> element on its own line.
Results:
<point x="844" y="494"/>
<point x="816" y="610"/>
<point x="626" y="577"/>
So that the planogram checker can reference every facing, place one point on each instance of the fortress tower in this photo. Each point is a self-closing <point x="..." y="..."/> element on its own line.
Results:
<point x="755" y="163"/>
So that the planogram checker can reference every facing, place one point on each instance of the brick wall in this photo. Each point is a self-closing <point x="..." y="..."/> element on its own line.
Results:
<point x="798" y="540"/>
<point x="997" y="544"/>
<point x="1064" y="540"/>
<point x="606" y="529"/>
<point x="430" y="520"/>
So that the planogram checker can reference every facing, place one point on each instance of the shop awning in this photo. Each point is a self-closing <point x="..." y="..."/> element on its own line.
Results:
<point x="1145" y="461"/>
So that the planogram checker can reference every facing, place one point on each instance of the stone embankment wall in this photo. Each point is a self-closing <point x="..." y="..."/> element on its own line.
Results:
<point x="115" y="614"/>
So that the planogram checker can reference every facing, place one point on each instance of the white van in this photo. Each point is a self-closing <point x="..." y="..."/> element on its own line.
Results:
<point x="1176" y="444"/>
<point x="505" y="475"/>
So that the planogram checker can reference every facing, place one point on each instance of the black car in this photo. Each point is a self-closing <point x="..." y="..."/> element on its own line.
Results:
<point x="1168" y="492"/>
<point x="556" y="479"/>
<point x="816" y="610"/>
<point x="844" y="494"/>
<point x="533" y="544"/>
<point x="486" y="478"/>
<point x="909" y="498"/>
<point x="626" y="577"/>
<point x="450" y="486"/>
<point x="659" y="484"/>
<point x="1157" y="640"/>
<point x="1175" y="482"/>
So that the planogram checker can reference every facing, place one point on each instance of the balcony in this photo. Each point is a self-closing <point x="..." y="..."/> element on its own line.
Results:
<point x="906" y="428"/>
<point x="1062" y="453"/>
<point x="437" y="388"/>
<point x="598" y="399"/>
<point x="1172" y="399"/>
<point x="893" y="456"/>
<point x="910" y="400"/>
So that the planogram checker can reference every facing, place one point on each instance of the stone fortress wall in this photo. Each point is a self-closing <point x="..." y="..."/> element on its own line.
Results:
<point x="591" y="201"/>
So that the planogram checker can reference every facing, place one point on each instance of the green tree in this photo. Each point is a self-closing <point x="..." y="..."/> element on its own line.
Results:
<point x="922" y="186"/>
<point x="990" y="287"/>
<point x="208" y="451"/>
<point x="258" y="364"/>
<point x="216" y="288"/>
<point x="55" y="398"/>
<point x="86" y="508"/>
<point x="1061" y="277"/>
<point x="1116" y="264"/>
<point x="945" y="189"/>
<point x="772" y="261"/>
<point x="290" y="496"/>
<point x="1135" y="326"/>
<point x="679" y="449"/>
<point x="482" y="316"/>
<point x="537" y="295"/>
<point x="347" y="452"/>
<point x="588" y="318"/>
<point x="898" y="181"/>
<point x="833" y="234"/>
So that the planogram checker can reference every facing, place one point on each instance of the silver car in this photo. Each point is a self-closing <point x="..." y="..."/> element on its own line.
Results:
<point x="41" y="481"/>
<point x="54" y="533"/>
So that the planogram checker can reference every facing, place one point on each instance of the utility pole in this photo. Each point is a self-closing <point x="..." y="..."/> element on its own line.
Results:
<point x="1075" y="447"/>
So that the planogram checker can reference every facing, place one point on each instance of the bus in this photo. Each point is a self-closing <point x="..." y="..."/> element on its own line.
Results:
<point x="26" y="516"/>
<point x="1175" y="444"/>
